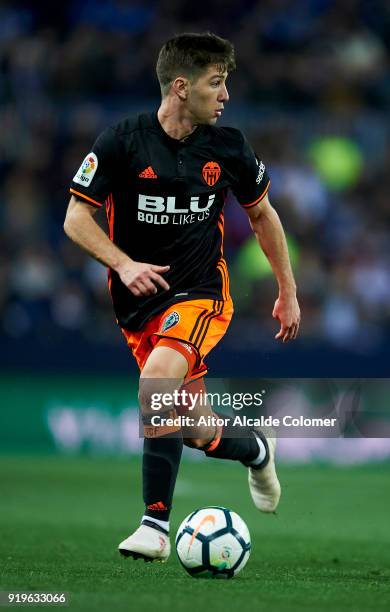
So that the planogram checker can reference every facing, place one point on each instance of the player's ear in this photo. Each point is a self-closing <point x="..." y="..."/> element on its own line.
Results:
<point x="180" y="87"/>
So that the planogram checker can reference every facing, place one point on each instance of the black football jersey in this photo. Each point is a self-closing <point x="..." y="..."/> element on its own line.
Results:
<point x="164" y="200"/>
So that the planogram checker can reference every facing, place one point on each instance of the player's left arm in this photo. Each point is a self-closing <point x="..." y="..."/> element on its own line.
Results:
<point x="269" y="232"/>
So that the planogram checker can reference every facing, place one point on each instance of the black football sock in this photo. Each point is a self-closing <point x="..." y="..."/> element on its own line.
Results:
<point x="245" y="449"/>
<point x="161" y="460"/>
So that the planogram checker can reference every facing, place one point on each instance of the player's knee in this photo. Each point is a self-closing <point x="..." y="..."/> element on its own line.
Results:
<point x="159" y="378"/>
<point x="154" y="392"/>
<point x="148" y="396"/>
<point x="198" y="443"/>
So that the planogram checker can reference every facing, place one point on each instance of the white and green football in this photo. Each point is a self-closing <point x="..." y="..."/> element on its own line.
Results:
<point x="213" y="541"/>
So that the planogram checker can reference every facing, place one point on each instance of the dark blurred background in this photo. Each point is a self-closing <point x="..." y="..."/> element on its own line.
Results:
<point x="311" y="92"/>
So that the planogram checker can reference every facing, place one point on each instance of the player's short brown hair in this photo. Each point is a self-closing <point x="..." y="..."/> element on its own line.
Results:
<point x="190" y="54"/>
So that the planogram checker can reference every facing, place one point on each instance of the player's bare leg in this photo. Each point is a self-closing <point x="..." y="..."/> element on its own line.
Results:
<point x="163" y="372"/>
<point x="254" y="449"/>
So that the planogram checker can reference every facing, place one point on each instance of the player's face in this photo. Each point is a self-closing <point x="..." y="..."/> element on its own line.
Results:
<point x="207" y="96"/>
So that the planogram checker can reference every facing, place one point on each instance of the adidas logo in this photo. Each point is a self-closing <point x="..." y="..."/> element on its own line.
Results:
<point x="157" y="506"/>
<point x="148" y="173"/>
<point x="187" y="347"/>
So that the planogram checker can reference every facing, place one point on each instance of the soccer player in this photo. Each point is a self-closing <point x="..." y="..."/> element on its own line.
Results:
<point x="163" y="178"/>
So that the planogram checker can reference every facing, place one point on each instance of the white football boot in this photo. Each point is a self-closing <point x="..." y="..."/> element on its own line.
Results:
<point x="264" y="485"/>
<point x="146" y="543"/>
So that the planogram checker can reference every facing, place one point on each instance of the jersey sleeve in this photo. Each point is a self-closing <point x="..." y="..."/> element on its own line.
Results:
<point x="252" y="180"/>
<point x="94" y="179"/>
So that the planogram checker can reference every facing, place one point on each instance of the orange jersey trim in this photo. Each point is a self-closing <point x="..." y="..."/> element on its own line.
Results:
<point x="110" y="221"/>
<point x="221" y="265"/>
<point x="110" y="215"/>
<point x="81" y="195"/>
<point x="258" y="199"/>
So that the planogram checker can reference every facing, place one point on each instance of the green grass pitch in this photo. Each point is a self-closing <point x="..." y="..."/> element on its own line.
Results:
<point x="61" y="520"/>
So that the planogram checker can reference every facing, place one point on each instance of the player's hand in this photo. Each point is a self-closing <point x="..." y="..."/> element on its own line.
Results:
<point x="143" y="279"/>
<point x="287" y="310"/>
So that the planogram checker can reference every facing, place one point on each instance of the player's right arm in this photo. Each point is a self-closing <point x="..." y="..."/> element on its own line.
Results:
<point x="92" y="184"/>
<point x="80" y="226"/>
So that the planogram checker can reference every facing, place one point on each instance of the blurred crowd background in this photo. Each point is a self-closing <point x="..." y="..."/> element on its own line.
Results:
<point x="311" y="92"/>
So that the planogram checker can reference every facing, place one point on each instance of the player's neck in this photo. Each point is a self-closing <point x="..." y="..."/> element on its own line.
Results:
<point x="176" y="123"/>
